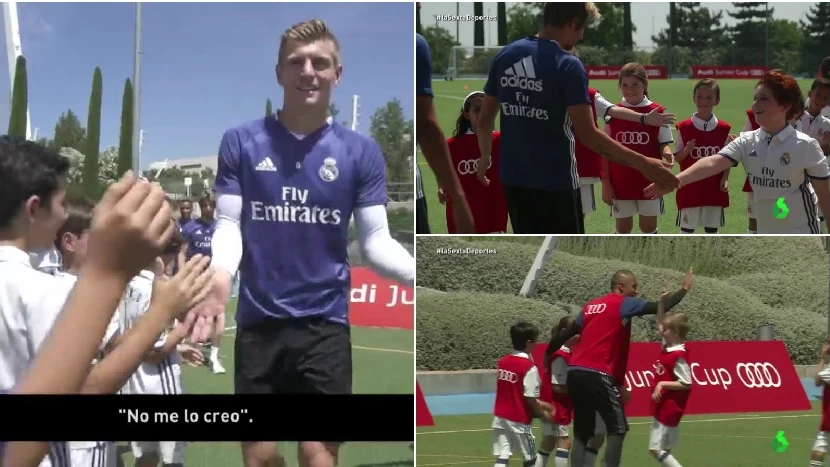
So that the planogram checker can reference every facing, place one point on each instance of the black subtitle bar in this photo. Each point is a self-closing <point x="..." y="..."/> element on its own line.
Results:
<point x="207" y="418"/>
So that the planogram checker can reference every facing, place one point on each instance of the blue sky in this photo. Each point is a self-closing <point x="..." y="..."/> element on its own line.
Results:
<point x="206" y="66"/>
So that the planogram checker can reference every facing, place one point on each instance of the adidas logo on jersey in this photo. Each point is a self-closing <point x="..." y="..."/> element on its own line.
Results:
<point x="266" y="166"/>
<point x="522" y="75"/>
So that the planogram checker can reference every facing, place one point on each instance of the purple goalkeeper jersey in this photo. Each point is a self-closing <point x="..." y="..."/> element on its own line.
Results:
<point x="298" y="196"/>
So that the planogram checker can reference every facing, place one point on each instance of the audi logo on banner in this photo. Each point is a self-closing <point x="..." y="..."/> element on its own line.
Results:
<point x="704" y="151"/>
<point x="758" y="375"/>
<point x="469" y="167"/>
<point x="632" y="137"/>
<point x="595" y="309"/>
<point x="508" y="376"/>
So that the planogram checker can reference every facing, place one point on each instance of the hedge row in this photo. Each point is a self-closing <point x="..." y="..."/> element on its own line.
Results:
<point x="467" y="328"/>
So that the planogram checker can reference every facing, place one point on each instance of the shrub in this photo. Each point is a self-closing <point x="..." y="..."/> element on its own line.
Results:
<point x="785" y="285"/>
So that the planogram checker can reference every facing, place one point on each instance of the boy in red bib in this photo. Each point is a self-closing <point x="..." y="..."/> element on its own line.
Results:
<point x="672" y="383"/>
<point x="702" y="203"/>
<point x="555" y="370"/>
<point x="517" y="399"/>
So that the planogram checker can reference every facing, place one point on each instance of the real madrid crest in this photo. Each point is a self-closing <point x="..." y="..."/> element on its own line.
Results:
<point x="785" y="158"/>
<point x="329" y="171"/>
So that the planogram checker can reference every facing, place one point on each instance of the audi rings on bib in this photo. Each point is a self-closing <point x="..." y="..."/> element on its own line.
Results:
<point x="595" y="309"/>
<point x="632" y="137"/>
<point x="758" y="375"/>
<point x="508" y="376"/>
<point x="469" y="167"/>
<point x="705" y="151"/>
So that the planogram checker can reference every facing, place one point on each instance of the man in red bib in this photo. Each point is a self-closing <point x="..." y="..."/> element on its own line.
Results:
<point x="596" y="375"/>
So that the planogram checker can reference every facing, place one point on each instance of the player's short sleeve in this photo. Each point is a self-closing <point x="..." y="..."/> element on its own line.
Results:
<point x="738" y="149"/>
<point x="227" y="173"/>
<point x="678" y="143"/>
<point x="632" y="306"/>
<point x="815" y="162"/>
<point x="532" y="383"/>
<point x="683" y="372"/>
<point x="601" y="105"/>
<point x="371" y="177"/>
<point x="423" y="67"/>
<point x="664" y="135"/>
<point x="574" y="82"/>
<point x="491" y="87"/>
<point x="824" y="374"/>
<point x="559" y="371"/>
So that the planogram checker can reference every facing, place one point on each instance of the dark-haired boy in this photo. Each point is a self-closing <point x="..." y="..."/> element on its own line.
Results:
<point x="517" y="398"/>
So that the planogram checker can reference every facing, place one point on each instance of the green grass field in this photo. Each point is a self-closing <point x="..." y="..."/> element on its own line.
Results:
<point x="376" y="351"/>
<point x="735" y="440"/>
<point x="675" y="95"/>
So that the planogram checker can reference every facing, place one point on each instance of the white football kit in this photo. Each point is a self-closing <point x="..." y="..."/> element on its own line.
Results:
<point x="623" y="209"/>
<point x="93" y="453"/>
<point x="163" y="378"/>
<point x="30" y="301"/>
<point x="778" y="167"/>
<point x="48" y="261"/>
<point x="820" y="443"/>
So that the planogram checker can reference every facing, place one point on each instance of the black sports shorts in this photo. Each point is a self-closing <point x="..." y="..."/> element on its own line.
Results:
<point x="595" y="393"/>
<point x="293" y="356"/>
<point x="544" y="212"/>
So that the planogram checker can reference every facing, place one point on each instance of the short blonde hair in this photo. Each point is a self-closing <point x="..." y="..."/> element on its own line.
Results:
<point x="308" y="32"/>
<point x="677" y="323"/>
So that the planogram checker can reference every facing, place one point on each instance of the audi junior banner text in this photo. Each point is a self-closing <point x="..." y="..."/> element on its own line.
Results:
<point x="727" y="377"/>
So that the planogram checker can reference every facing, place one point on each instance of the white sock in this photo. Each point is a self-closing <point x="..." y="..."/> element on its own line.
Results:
<point x="214" y="353"/>
<point x="751" y="232"/>
<point x="816" y="463"/>
<point x="668" y="460"/>
<point x="561" y="459"/>
<point x="542" y="458"/>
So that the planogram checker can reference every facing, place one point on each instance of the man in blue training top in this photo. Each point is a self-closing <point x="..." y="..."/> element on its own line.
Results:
<point x="433" y="144"/>
<point x="542" y="93"/>
<point x="286" y="188"/>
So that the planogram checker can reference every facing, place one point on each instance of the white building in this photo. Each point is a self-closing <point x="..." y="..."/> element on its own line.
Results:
<point x="194" y="165"/>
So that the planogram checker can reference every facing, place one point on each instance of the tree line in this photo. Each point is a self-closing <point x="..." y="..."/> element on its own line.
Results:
<point x="695" y="35"/>
<point x="90" y="173"/>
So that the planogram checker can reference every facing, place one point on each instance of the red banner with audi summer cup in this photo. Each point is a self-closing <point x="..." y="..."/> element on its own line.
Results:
<point x="379" y="302"/>
<point x="613" y="72"/>
<point x="727" y="377"/>
<point x="728" y="72"/>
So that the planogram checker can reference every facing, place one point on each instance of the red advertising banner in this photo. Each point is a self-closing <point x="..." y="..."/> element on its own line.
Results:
<point x="727" y="377"/>
<point x="379" y="302"/>
<point x="613" y="71"/>
<point x="423" y="417"/>
<point x="728" y="72"/>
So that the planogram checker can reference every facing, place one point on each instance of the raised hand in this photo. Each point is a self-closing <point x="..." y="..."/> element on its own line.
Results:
<point x="130" y="226"/>
<point x="183" y="291"/>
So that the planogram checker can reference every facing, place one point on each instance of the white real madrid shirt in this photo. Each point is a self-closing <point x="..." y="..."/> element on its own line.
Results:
<point x="149" y="378"/>
<point x="30" y="301"/>
<point x="781" y="166"/>
<point x="815" y="127"/>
